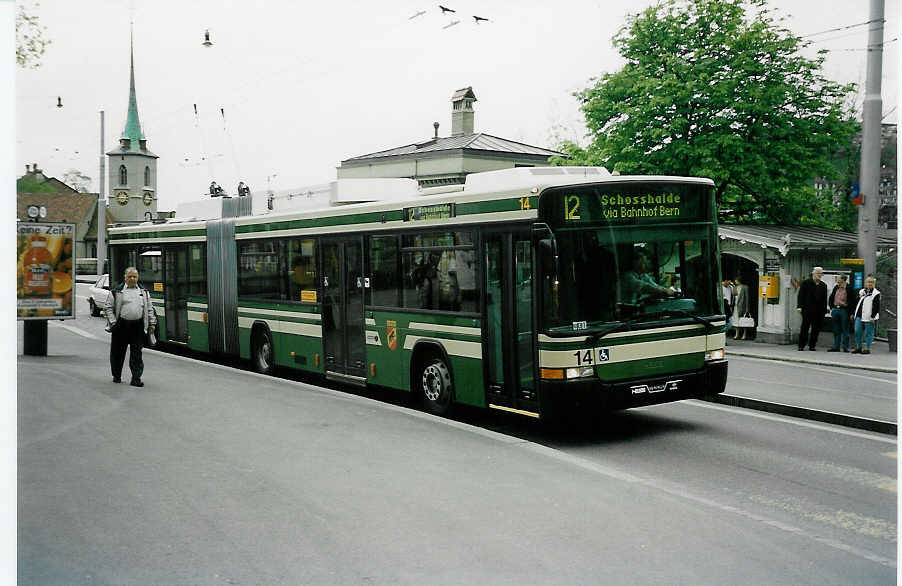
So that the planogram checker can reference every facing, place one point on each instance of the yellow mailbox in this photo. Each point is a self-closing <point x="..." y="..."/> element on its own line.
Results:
<point x="769" y="287"/>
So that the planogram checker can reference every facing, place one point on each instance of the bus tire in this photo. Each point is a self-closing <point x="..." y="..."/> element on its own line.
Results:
<point x="436" y="387"/>
<point x="262" y="351"/>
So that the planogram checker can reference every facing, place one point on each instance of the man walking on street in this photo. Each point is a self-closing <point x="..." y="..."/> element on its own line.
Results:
<point x="812" y="303"/>
<point x="866" y="313"/>
<point x="840" y="298"/>
<point x="129" y="314"/>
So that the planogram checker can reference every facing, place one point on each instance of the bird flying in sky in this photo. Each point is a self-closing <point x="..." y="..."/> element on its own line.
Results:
<point x="479" y="18"/>
<point x="416" y="14"/>
<point x="446" y="10"/>
<point x="450" y="24"/>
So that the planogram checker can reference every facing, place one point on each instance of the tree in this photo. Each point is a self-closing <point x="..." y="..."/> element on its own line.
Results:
<point x="30" y="40"/>
<point x="718" y="88"/>
<point x="77" y="180"/>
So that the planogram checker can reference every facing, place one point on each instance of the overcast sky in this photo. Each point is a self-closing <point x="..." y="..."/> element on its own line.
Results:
<point x="305" y="85"/>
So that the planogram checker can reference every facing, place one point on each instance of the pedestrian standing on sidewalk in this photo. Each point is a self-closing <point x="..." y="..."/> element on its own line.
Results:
<point x="840" y="298"/>
<point x="812" y="303"/>
<point x="129" y="314"/>
<point x="866" y="313"/>
<point x="740" y="306"/>
<point x="727" y="289"/>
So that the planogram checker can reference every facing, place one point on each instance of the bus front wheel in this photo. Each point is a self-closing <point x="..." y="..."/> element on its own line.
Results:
<point x="436" y="387"/>
<point x="263" y="354"/>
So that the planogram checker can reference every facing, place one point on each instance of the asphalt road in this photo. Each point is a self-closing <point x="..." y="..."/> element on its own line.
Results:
<point x="211" y="475"/>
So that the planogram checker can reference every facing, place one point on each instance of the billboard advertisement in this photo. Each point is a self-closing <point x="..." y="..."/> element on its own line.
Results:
<point x="45" y="270"/>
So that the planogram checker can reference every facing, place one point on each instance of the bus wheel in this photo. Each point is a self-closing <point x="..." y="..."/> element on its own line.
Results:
<point x="262" y="352"/>
<point x="435" y="384"/>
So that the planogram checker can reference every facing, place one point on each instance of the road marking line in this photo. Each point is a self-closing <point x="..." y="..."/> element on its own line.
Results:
<point x="783" y="419"/>
<point x="74" y="330"/>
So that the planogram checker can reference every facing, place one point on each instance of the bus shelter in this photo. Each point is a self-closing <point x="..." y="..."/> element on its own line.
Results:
<point x="773" y="260"/>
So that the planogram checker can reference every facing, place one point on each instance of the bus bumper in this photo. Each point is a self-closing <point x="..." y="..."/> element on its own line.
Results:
<point x="596" y="395"/>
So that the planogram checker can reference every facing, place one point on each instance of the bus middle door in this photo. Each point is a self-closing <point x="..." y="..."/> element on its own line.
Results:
<point x="344" y="342"/>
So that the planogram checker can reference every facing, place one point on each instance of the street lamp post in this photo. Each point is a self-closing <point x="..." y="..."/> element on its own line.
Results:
<point x="101" y="207"/>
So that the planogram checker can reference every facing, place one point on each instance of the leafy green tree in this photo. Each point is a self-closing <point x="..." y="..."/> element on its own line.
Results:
<point x="30" y="40"/>
<point x="719" y="89"/>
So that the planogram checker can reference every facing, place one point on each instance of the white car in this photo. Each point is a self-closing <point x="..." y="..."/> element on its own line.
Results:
<point x="100" y="292"/>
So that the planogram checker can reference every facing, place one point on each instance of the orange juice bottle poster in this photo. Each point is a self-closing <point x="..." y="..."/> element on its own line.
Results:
<point x="45" y="270"/>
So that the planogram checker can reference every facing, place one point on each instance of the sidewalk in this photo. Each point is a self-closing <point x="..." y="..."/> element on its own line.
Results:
<point x="872" y="411"/>
<point x="880" y="359"/>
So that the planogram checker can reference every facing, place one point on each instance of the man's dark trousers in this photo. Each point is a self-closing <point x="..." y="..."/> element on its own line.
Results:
<point x="814" y="321"/>
<point x="127" y="334"/>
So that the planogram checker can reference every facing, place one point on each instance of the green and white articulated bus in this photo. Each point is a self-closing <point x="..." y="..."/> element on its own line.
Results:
<point x="528" y="290"/>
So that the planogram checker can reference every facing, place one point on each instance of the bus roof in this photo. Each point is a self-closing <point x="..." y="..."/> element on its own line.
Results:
<point x="357" y="196"/>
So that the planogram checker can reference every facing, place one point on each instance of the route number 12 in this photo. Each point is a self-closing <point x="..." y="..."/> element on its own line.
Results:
<point x="571" y="207"/>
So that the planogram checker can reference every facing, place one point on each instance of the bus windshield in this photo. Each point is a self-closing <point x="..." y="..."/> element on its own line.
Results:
<point x="620" y="269"/>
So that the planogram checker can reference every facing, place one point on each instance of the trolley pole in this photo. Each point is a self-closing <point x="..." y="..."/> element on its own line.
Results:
<point x="101" y="208"/>
<point x="870" y="142"/>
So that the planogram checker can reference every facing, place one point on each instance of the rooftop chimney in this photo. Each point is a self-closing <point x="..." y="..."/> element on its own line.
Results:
<point x="435" y="125"/>
<point x="462" y="111"/>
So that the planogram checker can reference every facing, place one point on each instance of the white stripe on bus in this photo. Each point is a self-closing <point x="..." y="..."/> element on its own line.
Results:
<point x="277" y="313"/>
<point x="452" y="347"/>
<point x="630" y="352"/>
<point x="284" y="327"/>
<point x="160" y="240"/>
<point x="444" y="328"/>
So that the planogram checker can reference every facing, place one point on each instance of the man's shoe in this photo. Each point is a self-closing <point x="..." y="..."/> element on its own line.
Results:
<point x="812" y="349"/>
<point x="865" y="351"/>
<point x="800" y="349"/>
<point x="845" y="349"/>
<point x="117" y="379"/>
<point x="832" y="349"/>
<point x="856" y="351"/>
<point x="136" y="382"/>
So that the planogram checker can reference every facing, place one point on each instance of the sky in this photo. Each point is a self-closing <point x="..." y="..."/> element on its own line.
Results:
<point x="290" y="89"/>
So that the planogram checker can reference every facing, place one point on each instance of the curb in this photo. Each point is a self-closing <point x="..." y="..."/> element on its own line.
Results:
<point x="875" y="425"/>
<point x="816" y="362"/>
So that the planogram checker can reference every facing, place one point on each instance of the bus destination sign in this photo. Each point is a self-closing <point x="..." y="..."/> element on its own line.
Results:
<point x="629" y="204"/>
<point x="439" y="211"/>
<point x="658" y="205"/>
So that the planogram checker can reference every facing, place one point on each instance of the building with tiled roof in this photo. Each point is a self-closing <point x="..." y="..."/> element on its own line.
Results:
<point x="64" y="204"/>
<point x="448" y="160"/>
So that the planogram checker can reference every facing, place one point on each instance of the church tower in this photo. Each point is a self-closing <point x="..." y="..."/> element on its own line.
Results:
<point x="133" y="168"/>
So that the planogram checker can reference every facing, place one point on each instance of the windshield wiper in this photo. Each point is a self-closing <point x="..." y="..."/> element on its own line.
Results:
<point x="707" y="323"/>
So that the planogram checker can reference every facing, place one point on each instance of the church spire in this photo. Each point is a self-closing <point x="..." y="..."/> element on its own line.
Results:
<point x="132" y="129"/>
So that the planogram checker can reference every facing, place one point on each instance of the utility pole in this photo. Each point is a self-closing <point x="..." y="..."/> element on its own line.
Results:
<point x="101" y="207"/>
<point x="870" y="143"/>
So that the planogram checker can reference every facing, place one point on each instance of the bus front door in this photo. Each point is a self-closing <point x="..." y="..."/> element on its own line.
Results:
<point x="344" y="344"/>
<point x="510" y="347"/>
<point x="175" y="292"/>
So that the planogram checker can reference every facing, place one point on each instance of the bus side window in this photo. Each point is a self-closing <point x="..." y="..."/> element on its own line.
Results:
<point x="302" y="270"/>
<point x="383" y="271"/>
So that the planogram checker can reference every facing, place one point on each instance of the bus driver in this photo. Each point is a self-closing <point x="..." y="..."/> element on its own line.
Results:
<point x="638" y="283"/>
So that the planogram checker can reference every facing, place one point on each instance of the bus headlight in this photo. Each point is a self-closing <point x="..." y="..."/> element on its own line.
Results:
<point x="567" y="373"/>
<point x="580" y="372"/>
<point x="718" y="354"/>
